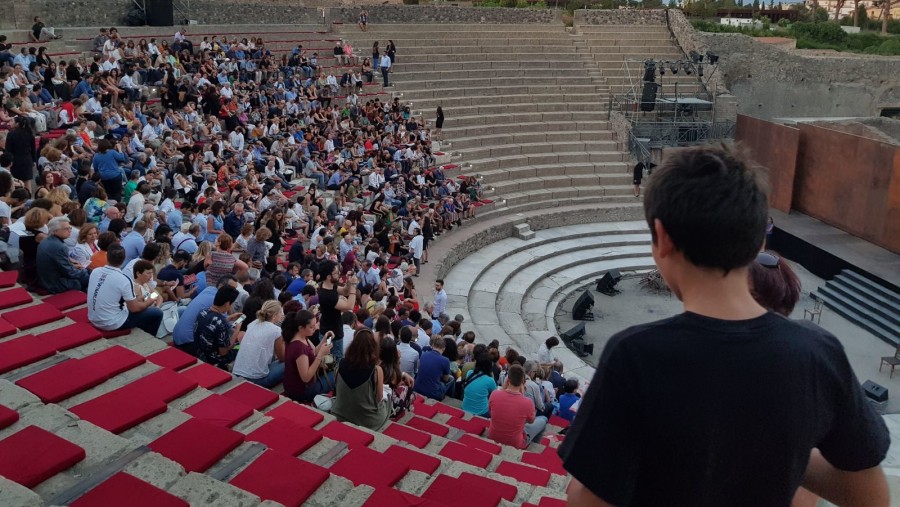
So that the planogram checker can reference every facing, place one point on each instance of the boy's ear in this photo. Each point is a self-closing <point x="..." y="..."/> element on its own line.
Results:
<point x="664" y="245"/>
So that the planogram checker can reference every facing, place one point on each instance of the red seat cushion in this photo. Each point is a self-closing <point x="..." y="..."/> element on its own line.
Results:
<point x="551" y="502"/>
<point x="66" y="300"/>
<point x="296" y="413"/>
<point x="114" y="360"/>
<point x="475" y="425"/>
<point x="281" y="478"/>
<point x="125" y="489"/>
<point x="389" y="497"/>
<point x="506" y="491"/>
<point x="556" y="420"/>
<point x="423" y="409"/>
<point x="413" y="459"/>
<point x="14" y="297"/>
<point x="365" y="466"/>
<point x="63" y="380"/>
<point x="206" y="375"/>
<point x="163" y="385"/>
<point x="443" y="408"/>
<point x="22" y="351"/>
<point x="7" y="329"/>
<point x="81" y="315"/>
<point x="172" y="358"/>
<point x="33" y="455"/>
<point x="462" y="493"/>
<point x="428" y="426"/>
<point x="71" y="336"/>
<point x="119" y="410"/>
<point x="523" y="473"/>
<point x="33" y="316"/>
<point x="466" y="454"/>
<point x="8" y="278"/>
<point x="341" y="432"/>
<point x="487" y="201"/>
<point x="285" y="436"/>
<point x="7" y="416"/>
<point x="252" y="395"/>
<point x="197" y="445"/>
<point x="407" y="434"/>
<point x="479" y="443"/>
<point x="550" y="462"/>
<point x="219" y="410"/>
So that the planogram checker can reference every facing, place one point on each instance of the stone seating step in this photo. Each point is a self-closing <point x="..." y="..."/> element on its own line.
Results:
<point x="541" y="102"/>
<point x="598" y="127"/>
<point x="459" y="123"/>
<point x="491" y="47"/>
<point x="460" y="90"/>
<point x="609" y="182"/>
<point x="575" y="71"/>
<point x="606" y="193"/>
<point x="535" y="64"/>
<point x="500" y="39"/>
<point x="613" y="169"/>
<point x="504" y="209"/>
<point x="525" y="136"/>
<point x="493" y="80"/>
<point x="543" y="107"/>
<point x="464" y="28"/>
<point x="527" y="160"/>
<point x="515" y="148"/>
<point x="502" y="54"/>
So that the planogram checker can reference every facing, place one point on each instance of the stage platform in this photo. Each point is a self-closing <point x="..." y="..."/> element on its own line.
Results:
<point x="825" y="250"/>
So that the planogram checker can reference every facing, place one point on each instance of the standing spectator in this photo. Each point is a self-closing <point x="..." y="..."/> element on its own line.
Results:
<point x="333" y="300"/>
<point x="302" y="360"/>
<point x="391" y="51"/>
<point x="385" y="68"/>
<point x="55" y="272"/>
<point x="440" y="299"/>
<point x="359" y="384"/>
<point x="434" y="380"/>
<point x="108" y="162"/>
<point x="513" y="421"/>
<point x="439" y="125"/>
<point x="260" y="344"/>
<point x="20" y="144"/>
<point x="108" y="288"/>
<point x="795" y="391"/>
<point x="215" y="333"/>
<point x="416" y="247"/>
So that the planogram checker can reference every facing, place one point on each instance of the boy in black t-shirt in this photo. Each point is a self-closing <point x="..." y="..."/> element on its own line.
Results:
<point x="725" y="404"/>
<point x="215" y="333"/>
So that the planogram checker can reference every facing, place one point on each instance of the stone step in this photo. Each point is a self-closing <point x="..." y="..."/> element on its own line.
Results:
<point x="550" y="107"/>
<point x="465" y="28"/>
<point x="497" y="176"/>
<point x="538" y="159"/>
<point x="457" y="133"/>
<point x="612" y="184"/>
<point x="550" y="102"/>
<point x="502" y="54"/>
<point x="521" y="72"/>
<point x="497" y="63"/>
<point x="468" y="49"/>
<point x="403" y="44"/>
<point x="524" y="88"/>
<point x="543" y="204"/>
<point x="563" y="147"/>
<point x="524" y="136"/>
<point x="529" y="79"/>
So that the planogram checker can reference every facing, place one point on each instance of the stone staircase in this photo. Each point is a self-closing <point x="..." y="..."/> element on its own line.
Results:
<point x="509" y="289"/>
<point x="870" y="305"/>
<point x="88" y="419"/>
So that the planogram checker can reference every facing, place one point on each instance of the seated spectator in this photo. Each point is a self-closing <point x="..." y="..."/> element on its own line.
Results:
<point x="174" y="274"/>
<point x="142" y="273"/>
<point x="568" y="398"/>
<point x="261" y="342"/>
<point x="302" y="381"/>
<point x="773" y="283"/>
<point x="55" y="272"/>
<point x="533" y="389"/>
<point x="221" y="261"/>
<point x="215" y="333"/>
<point x="409" y="357"/>
<point x="183" y="335"/>
<point x="434" y="380"/>
<point x="108" y="288"/>
<point x="106" y="240"/>
<point x="359" y="394"/>
<point x="401" y="383"/>
<point x="187" y="241"/>
<point x="513" y="421"/>
<point x="134" y="242"/>
<point x="478" y="385"/>
<point x="545" y="355"/>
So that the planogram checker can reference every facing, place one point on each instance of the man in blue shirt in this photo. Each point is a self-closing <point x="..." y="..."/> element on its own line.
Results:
<point x="296" y="287"/>
<point x="234" y="221"/>
<point x="134" y="242"/>
<point x="434" y="379"/>
<point x="84" y="87"/>
<point x="183" y="335"/>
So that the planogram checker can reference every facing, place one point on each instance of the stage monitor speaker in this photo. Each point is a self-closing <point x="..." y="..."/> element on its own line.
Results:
<point x="607" y="284"/>
<point x="160" y="12"/>
<point x="574" y="333"/>
<point x="648" y="97"/>
<point x="582" y="349"/>
<point x="875" y="392"/>
<point x="582" y="308"/>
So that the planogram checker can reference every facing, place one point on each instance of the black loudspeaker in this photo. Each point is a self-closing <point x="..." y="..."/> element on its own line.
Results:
<point x="582" y="349"/>
<point x="582" y="308"/>
<point x="574" y="333"/>
<point x="648" y="97"/>
<point x="875" y="392"/>
<point x="160" y="12"/>
<point x="607" y="284"/>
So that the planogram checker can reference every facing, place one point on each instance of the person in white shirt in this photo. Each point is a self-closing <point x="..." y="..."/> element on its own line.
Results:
<point x="93" y="106"/>
<point x="413" y="225"/>
<point x="440" y="299"/>
<point x="348" y="322"/>
<point x="108" y="288"/>
<point x="385" y="65"/>
<point x="423" y="330"/>
<point x="545" y="355"/>
<point x="260" y="343"/>
<point x="416" y="248"/>
<point x="376" y="179"/>
<point x="409" y="358"/>
<point x="136" y="203"/>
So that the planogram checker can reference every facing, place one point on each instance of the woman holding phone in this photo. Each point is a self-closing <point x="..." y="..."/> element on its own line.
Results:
<point x="302" y="381"/>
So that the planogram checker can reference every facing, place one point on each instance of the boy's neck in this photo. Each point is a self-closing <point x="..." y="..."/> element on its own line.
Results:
<point x="709" y="293"/>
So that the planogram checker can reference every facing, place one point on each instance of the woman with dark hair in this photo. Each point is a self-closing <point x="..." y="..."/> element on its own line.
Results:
<point x="20" y="144"/>
<point x="401" y="383"/>
<point x="478" y="385"/>
<point x="302" y="359"/>
<point x="451" y="352"/>
<point x="108" y="163"/>
<point x="439" y="124"/>
<point x="773" y="283"/>
<point x="359" y="386"/>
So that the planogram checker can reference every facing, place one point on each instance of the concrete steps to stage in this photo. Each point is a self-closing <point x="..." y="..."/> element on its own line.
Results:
<point x="864" y="302"/>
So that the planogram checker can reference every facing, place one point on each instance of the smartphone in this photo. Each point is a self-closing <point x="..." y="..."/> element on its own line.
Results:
<point x="328" y="340"/>
<point x="239" y="320"/>
<point x="153" y="295"/>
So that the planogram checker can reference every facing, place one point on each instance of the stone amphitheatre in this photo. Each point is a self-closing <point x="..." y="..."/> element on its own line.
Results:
<point x="130" y="420"/>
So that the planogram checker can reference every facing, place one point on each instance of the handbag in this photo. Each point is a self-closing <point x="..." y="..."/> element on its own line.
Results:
<point x="170" y="318"/>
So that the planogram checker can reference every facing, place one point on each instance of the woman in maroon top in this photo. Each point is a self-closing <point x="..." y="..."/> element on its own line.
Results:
<point x="302" y="359"/>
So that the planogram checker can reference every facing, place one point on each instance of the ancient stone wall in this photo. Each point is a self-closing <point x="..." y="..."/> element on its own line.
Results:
<point x="620" y="17"/>
<point x="442" y="14"/>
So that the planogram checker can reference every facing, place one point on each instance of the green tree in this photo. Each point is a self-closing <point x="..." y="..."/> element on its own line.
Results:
<point x="673" y="4"/>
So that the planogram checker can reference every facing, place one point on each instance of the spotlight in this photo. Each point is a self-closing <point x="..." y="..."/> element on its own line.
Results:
<point x="607" y="284"/>
<point x="673" y="67"/>
<point x="696" y="57"/>
<point x="582" y="349"/>
<point x="700" y="69"/>
<point x="712" y="58"/>
<point x="687" y="68"/>
<point x="649" y="71"/>
<point x="662" y="69"/>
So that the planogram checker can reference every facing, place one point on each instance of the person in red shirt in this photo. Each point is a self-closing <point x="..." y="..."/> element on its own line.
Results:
<point x="513" y="420"/>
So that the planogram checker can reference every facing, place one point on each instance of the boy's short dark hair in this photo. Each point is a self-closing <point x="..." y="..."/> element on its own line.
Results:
<point x="225" y="295"/>
<point x="570" y="386"/>
<point x="712" y="203"/>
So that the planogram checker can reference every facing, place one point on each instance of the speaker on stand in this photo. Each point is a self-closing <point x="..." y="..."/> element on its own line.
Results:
<point x="160" y="12"/>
